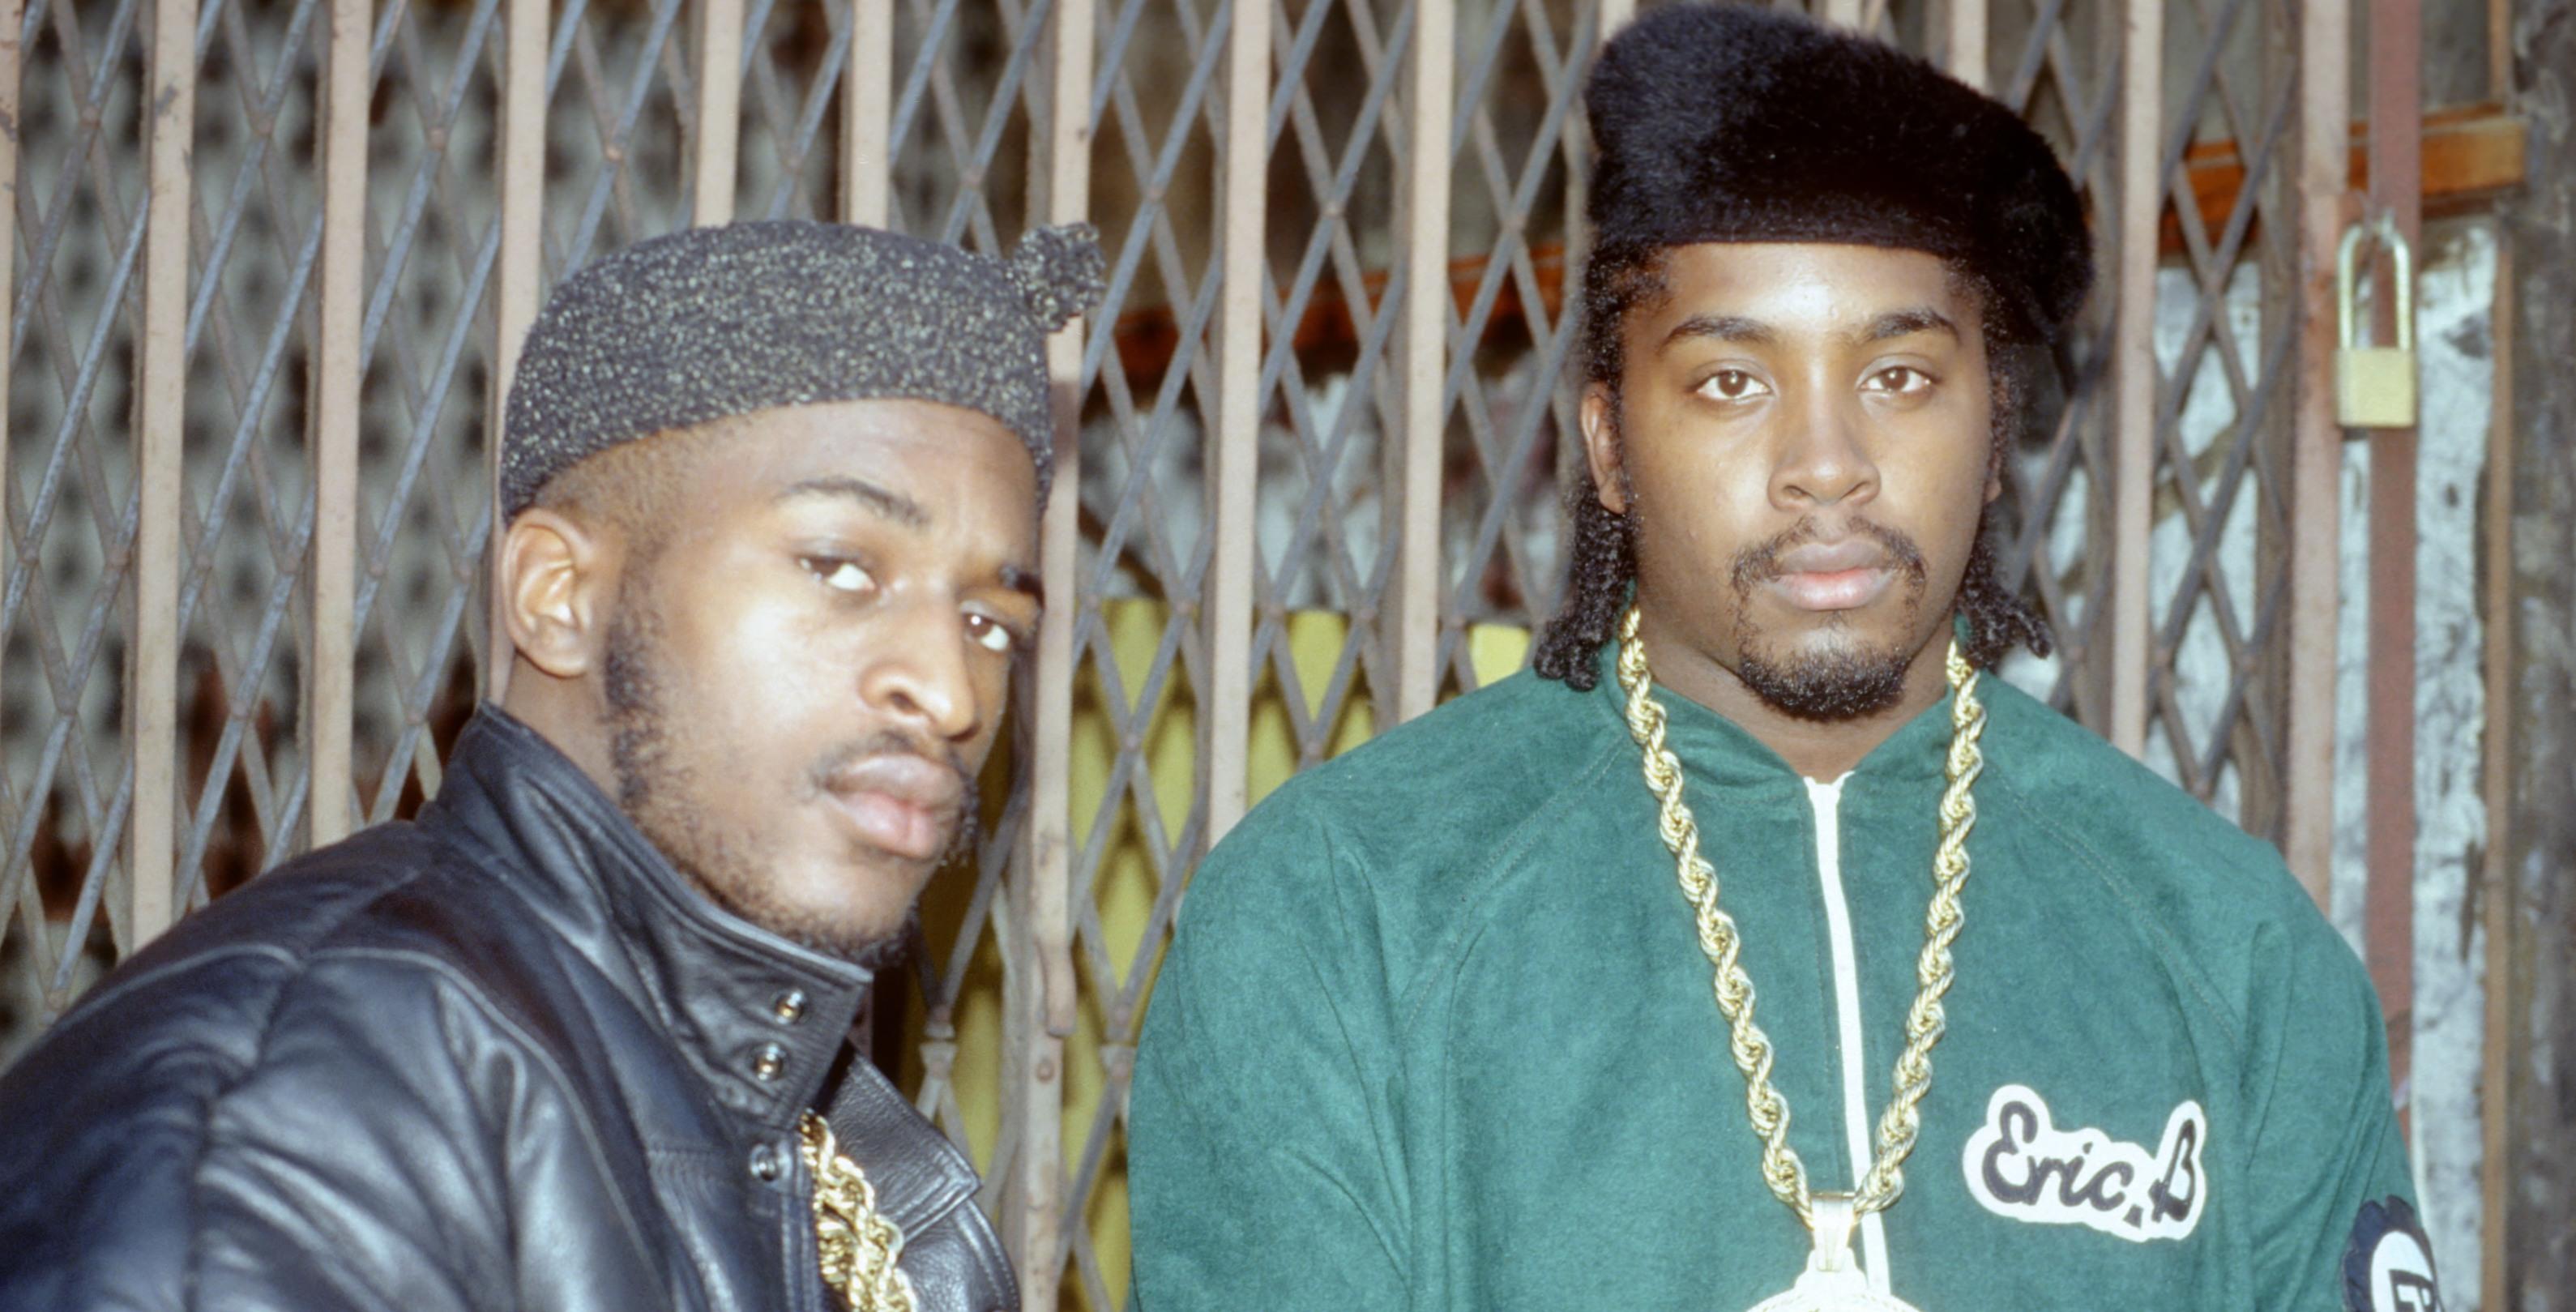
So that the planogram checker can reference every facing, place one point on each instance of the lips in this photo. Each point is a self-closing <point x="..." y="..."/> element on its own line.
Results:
<point x="1833" y="576"/>
<point x="904" y="804"/>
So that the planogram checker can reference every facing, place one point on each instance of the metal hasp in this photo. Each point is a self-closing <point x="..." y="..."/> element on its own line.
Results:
<point x="2375" y="385"/>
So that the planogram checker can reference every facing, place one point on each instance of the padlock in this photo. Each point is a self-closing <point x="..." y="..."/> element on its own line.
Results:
<point x="2375" y="385"/>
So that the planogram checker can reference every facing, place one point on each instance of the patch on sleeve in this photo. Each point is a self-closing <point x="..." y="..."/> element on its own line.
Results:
<point x="2388" y="1265"/>
<point x="2020" y="1165"/>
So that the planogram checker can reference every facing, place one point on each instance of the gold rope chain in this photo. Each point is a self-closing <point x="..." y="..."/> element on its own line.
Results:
<point x="1718" y="937"/>
<point x="858" y="1247"/>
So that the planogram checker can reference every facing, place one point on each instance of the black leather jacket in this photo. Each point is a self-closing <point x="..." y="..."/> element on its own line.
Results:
<point x="501" y="1058"/>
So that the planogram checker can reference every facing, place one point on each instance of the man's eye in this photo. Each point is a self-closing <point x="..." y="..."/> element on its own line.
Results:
<point x="841" y="575"/>
<point x="1733" y="385"/>
<point x="1900" y="378"/>
<point x="990" y="634"/>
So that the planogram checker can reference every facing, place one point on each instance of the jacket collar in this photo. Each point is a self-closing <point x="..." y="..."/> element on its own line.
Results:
<point x="759" y="1018"/>
<point x="1720" y="753"/>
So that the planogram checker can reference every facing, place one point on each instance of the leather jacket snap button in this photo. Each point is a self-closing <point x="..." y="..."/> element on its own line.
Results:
<point x="764" y="1163"/>
<point x="768" y="1062"/>
<point x="790" y="1006"/>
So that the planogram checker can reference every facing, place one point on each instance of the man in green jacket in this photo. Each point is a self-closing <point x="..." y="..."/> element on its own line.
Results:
<point x="2035" y="1029"/>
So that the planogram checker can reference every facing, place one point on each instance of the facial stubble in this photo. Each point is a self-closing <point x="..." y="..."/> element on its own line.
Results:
<point x="655" y="785"/>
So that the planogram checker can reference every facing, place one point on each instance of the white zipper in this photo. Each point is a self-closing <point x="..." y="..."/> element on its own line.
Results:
<point x="1827" y="801"/>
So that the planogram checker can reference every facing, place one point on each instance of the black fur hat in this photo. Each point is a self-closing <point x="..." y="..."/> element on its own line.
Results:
<point x="1737" y="123"/>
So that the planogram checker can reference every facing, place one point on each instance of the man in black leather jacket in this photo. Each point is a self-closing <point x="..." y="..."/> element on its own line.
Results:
<point x="576" y="1038"/>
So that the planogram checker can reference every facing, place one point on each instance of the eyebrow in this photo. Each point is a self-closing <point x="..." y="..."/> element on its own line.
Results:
<point x="1905" y="323"/>
<point x="1724" y="328"/>
<point x="886" y="503"/>
<point x="1754" y="332"/>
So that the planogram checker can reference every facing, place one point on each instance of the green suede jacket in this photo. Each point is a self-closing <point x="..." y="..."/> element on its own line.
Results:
<point x="1436" y="1033"/>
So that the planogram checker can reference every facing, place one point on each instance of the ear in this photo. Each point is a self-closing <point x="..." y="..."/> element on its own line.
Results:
<point x="555" y="576"/>
<point x="1600" y="419"/>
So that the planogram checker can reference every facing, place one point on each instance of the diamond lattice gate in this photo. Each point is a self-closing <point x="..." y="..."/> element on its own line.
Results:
<point x="1314" y="436"/>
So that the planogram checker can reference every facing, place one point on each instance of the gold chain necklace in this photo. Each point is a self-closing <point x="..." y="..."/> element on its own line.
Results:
<point x="1831" y="1280"/>
<point x="857" y="1246"/>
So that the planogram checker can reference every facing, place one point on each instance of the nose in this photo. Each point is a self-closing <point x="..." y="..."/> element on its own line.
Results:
<point x="1822" y="461"/>
<point x="919" y="673"/>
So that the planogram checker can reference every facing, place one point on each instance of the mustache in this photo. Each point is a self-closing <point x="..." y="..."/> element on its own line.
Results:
<point x="830" y="766"/>
<point x="1760" y="562"/>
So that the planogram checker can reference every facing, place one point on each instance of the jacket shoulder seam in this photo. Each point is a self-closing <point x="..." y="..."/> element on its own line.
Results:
<point x="2148" y="923"/>
<point x="456" y="984"/>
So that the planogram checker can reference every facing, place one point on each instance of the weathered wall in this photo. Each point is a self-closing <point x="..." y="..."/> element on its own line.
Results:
<point x="2539" y="855"/>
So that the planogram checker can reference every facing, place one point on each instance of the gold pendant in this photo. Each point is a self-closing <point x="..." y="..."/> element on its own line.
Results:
<point x="1832" y="1281"/>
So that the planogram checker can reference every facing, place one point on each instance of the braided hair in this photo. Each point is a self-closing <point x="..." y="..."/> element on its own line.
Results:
<point x="1603" y="563"/>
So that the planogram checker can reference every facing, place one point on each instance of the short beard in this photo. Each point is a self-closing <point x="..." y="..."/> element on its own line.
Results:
<point x="1846" y="682"/>
<point x="648" y="777"/>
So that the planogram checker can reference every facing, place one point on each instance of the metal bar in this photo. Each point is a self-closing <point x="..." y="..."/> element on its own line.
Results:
<point x="1840" y="13"/>
<point x="2316" y="459"/>
<point x="1615" y="15"/>
<point x="2497" y="1169"/>
<point x="522" y="165"/>
<point x="719" y="110"/>
<point x="2134" y="369"/>
<point x="867" y="155"/>
<point x="2396" y="189"/>
<point x="339" y="364"/>
<point x="1427" y="313"/>
<point x="1048" y="870"/>
<point x="160" y="372"/>
<point x="1964" y="39"/>
<point x="1238" y="429"/>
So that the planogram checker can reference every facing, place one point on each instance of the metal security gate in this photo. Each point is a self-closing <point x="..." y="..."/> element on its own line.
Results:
<point x="272" y="259"/>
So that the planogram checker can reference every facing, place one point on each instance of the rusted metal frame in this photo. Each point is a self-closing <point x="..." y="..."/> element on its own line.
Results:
<point x="90" y="92"/>
<point x="1427" y="323"/>
<point x="1511" y="263"/>
<point x="2317" y="454"/>
<point x="2498" y="1166"/>
<point x="520" y="162"/>
<point x="913" y="94"/>
<point x="2197" y="763"/>
<point x="719" y="111"/>
<point x="1044" y="904"/>
<point x="2136" y="377"/>
<point x="613" y="174"/>
<point x="2396" y="39"/>
<point x="2200" y="764"/>
<point x="1237" y="439"/>
<point x="243" y="677"/>
<point x="464" y="555"/>
<point x="1572" y="145"/>
<point x="2209" y="336"/>
<point x="1510" y="196"/>
<point x="25" y="580"/>
<point x="796" y="142"/>
<point x="1497" y="455"/>
<point x="67" y="677"/>
<point x="867" y="157"/>
<point x="1143" y="441"/>
<point x="160" y="370"/>
<point x="969" y="213"/>
<point x="1333" y="183"/>
<point x="1137" y="506"/>
<point x="330" y="671"/>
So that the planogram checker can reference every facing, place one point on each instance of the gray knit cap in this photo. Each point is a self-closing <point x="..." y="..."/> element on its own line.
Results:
<point x="713" y="322"/>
